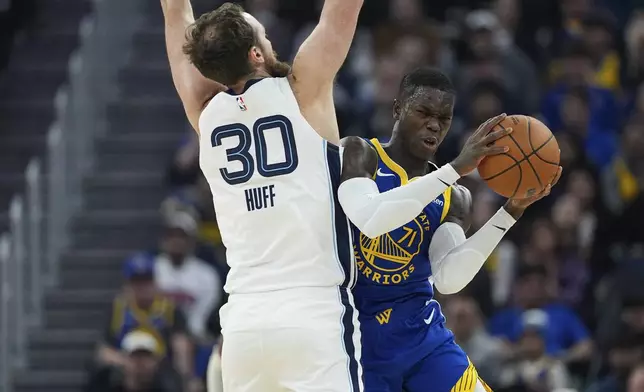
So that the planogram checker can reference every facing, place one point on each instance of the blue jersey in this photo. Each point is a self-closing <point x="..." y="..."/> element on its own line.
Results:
<point x="405" y="344"/>
<point x="395" y="267"/>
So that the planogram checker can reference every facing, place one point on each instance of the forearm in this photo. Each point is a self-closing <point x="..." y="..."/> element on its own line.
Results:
<point x="579" y="352"/>
<point x="455" y="260"/>
<point x="178" y="10"/>
<point x="375" y="213"/>
<point x="107" y="355"/>
<point x="183" y="358"/>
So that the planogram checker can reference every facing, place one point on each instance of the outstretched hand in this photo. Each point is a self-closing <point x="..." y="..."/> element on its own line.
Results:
<point x="516" y="207"/>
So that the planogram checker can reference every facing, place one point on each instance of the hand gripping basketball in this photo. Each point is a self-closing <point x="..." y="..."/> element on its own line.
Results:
<point x="480" y="145"/>
<point x="516" y="207"/>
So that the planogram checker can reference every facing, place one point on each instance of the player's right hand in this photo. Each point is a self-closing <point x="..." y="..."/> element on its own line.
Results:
<point x="479" y="146"/>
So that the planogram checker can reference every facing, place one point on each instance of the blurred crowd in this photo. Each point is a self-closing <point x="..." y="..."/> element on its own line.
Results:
<point x="560" y="303"/>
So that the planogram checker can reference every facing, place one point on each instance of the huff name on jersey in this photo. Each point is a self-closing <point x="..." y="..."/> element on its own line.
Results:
<point x="260" y="197"/>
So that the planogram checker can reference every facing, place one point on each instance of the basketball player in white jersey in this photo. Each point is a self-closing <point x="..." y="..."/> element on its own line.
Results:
<point x="268" y="148"/>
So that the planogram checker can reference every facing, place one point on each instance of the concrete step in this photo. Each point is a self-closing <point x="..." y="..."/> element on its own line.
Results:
<point x="163" y="144"/>
<point x="128" y="116"/>
<point x="62" y="361"/>
<point x="146" y="198"/>
<point x="49" y="381"/>
<point x="117" y="228"/>
<point x="137" y="180"/>
<point x="147" y="81"/>
<point x="70" y="319"/>
<point x="110" y="279"/>
<point x="79" y="299"/>
<point x="65" y="338"/>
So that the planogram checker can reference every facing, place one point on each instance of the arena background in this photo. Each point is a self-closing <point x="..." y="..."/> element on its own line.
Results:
<point x="100" y="187"/>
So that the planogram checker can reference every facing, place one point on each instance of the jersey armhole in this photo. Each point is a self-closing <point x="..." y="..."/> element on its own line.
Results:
<point x="447" y="198"/>
<point x="284" y="85"/>
<point x="375" y="172"/>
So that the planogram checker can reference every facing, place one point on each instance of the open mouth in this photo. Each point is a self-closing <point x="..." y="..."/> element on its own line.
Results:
<point x="430" y="142"/>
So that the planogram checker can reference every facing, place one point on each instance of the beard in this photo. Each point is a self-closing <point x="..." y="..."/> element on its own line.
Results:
<point x="276" y="68"/>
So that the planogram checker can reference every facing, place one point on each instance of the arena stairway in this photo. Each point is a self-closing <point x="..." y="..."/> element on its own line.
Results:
<point x="120" y="215"/>
<point x="37" y="69"/>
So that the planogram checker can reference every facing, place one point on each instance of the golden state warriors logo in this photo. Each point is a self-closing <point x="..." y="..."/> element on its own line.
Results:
<point x="388" y="258"/>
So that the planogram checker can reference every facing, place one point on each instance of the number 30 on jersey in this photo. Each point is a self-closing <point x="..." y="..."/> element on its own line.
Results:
<point x="242" y="154"/>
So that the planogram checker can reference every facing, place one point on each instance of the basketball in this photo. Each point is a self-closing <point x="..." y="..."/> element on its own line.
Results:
<point x="530" y="164"/>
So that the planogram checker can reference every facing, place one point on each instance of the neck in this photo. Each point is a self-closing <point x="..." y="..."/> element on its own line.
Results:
<point x="413" y="166"/>
<point x="239" y="86"/>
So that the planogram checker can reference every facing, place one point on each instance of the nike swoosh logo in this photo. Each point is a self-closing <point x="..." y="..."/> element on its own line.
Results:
<point x="381" y="174"/>
<point x="446" y="184"/>
<point x="503" y="229"/>
<point x="430" y="318"/>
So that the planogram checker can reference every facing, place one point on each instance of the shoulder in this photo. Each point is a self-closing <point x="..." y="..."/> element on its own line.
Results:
<point x="460" y="206"/>
<point x="360" y="158"/>
<point x="356" y="143"/>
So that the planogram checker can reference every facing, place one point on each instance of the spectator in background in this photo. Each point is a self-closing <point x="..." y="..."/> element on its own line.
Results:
<point x="626" y="351"/>
<point x="636" y="380"/>
<point x="533" y="369"/>
<point x="634" y="39"/>
<point x="600" y="144"/>
<point x="486" y="353"/>
<point x="566" y="338"/>
<point x="598" y="29"/>
<point x="575" y="71"/>
<point x="193" y="284"/>
<point x="572" y="228"/>
<point x="189" y="281"/>
<point x="619" y="180"/>
<point x="184" y="169"/>
<point x="140" y="307"/>
<point x="491" y="59"/>
<point x="146" y="370"/>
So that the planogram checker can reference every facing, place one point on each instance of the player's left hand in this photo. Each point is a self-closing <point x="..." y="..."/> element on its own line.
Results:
<point x="516" y="207"/>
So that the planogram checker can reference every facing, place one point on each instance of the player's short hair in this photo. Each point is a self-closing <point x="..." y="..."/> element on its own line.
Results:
<point x="424" y="77"/>
<point x="218" y="44"/>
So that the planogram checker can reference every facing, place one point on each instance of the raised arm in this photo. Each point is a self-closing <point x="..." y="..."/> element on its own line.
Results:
<point x="456" y="260"/>
<point x="194" y="89"/>
<point x="376" y="213"/>
<point x="318" y="61"/>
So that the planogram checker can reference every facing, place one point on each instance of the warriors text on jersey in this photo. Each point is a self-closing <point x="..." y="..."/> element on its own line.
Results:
<point x="405" y="344"/>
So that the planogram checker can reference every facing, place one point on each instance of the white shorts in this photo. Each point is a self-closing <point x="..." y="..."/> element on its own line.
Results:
<point x="300" y="340"/>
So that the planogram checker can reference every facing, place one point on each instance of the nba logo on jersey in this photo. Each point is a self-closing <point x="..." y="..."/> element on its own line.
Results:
<point x="241" y="104"/>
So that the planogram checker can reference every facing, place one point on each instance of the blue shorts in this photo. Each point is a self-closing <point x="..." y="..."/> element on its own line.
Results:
<point x="407" y="354"/>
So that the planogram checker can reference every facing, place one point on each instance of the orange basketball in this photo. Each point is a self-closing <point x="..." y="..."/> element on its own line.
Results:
<point x="531" y="163"/>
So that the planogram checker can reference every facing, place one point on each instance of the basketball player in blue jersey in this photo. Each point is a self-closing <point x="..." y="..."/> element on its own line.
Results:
<point x="409" y="237"/>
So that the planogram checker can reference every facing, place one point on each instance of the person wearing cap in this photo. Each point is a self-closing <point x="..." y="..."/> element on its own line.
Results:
<point x="494" y="58"/>
<point x="146" y="370"/>
<point x="140" y="306"/>
<point x="567" y="338"/>
<point x="189" y="281"/>
<point x="532" y="368"/>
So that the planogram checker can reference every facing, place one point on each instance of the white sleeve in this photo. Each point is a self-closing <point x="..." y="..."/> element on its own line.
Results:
<point x="455" y="260"/>
<point x="375" y="213"/>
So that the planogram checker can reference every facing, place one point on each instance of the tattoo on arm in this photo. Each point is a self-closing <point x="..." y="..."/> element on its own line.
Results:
<point x="360" y="159"/>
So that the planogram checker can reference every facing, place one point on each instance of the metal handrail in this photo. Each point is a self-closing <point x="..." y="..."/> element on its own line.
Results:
<point x="38" y="220"/>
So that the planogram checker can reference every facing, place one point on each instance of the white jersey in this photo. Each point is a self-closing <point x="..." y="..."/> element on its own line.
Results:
<point x="274" y="182"/>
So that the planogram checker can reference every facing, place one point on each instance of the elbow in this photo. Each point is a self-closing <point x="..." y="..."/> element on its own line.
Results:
<point x="369" y="230"/>
<point x="447" y="287"/>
